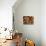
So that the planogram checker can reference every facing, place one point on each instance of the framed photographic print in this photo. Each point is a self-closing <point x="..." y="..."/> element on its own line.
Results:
<point x="28" y="19"/>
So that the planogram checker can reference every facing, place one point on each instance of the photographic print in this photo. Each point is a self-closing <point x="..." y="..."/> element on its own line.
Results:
<point x="28" y="19"/>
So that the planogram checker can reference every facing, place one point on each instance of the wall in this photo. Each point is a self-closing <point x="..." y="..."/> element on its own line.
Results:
<point x="29" y="8"/>
<point x="43" y="22"/>
<point x="6" y="13"/>
<point x="6" y="17"/>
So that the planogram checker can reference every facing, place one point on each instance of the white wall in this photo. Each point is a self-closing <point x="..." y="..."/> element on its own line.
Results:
<point x="29" y="8"/>
<point x="6" y="13"/>
<point x="6" y="17"/>
<point x="34" y="8"/>
<point x="43" y="22"/>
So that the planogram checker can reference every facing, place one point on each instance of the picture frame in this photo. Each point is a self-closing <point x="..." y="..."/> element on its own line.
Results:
<point x="28" y="20"/>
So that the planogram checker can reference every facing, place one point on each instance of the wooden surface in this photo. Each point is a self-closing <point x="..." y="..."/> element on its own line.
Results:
<point x="8" y="43"/>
